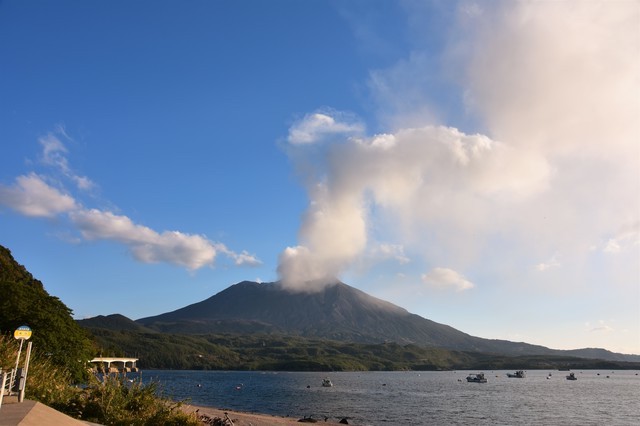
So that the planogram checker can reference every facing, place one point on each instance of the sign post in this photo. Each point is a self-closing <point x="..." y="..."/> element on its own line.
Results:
<point x="22" y="333"/>
<point x="25" y="371"/>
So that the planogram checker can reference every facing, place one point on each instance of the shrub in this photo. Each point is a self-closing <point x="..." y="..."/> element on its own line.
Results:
<point x="118" y="401"/>
<point x="112" y="401"/>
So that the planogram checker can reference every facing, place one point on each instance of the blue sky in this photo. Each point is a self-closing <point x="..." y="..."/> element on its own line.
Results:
<point x="473" y="162"/>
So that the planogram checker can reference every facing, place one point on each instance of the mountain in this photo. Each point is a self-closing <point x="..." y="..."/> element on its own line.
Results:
<point x="113" y="322"/>
<point x="338" y="312"/>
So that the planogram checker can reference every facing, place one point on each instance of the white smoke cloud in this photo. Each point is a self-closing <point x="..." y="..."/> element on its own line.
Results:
<point x="426" y="177"/>
<point x="628" y="238"/>
<point x="552" y="263"/>
<point x="333" y="234"/>
<point x="556" y="85"/>
<point x="447" y="278"/>
<point x="562" y="79"/>
<point x="384" y="251"/>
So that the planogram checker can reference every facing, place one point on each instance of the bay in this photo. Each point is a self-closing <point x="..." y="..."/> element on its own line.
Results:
<point x="416" y="398"/>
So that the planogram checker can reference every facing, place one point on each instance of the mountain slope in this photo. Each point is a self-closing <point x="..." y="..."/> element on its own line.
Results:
<point x="339" y="312"/>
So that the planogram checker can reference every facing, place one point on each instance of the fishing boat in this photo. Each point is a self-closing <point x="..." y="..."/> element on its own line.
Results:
<point x="326" y="383"/>
<point x="572" y="376"/>
<point x="520" y="374"/>
<point x="476" y="378"/>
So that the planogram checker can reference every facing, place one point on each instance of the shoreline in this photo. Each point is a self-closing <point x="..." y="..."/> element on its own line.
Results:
<point x="241" y="418"/>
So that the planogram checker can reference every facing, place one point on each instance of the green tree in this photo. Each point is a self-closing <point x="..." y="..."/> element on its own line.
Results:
<point x="24" y="301"/>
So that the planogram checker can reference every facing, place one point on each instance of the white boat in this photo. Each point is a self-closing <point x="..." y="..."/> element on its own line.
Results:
<point x="326" y="383"/>
<point x="476" y="378"/>
<point x="520" y="374"/>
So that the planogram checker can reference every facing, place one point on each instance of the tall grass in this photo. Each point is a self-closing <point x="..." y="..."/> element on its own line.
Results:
<point x="111" y="401"/>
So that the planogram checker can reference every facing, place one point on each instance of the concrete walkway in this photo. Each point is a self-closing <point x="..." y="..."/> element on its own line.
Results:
<point x="32" y="413"/>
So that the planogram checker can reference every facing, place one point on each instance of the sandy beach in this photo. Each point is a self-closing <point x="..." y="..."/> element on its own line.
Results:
<point x="33" y="413"/>
<point x="249" y="419"/>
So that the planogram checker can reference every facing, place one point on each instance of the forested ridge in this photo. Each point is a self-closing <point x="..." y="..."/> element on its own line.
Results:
<point x="24" y="301"/>
<point x="289" y="353"/>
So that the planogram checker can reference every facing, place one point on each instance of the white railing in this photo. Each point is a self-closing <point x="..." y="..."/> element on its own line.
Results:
<point x="6" y="381"/>
<point x="10" y="383"/>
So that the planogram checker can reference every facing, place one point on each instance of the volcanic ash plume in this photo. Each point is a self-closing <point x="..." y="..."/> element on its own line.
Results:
<point x="556" y="85"/>
<point x="424" y="175"/>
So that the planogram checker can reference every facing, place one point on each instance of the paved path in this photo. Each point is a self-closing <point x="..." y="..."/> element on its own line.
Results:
<point x="32" y="413"/>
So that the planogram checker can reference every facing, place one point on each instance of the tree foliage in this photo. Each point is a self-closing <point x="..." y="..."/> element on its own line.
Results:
<point x="24" y="301"/>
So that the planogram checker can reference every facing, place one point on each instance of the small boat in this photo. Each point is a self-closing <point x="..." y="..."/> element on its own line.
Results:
<point x="476" y="378"/>
<point x="520" y="374"/>
<point x="326" y="383"/>
<point x="572" y="376"/>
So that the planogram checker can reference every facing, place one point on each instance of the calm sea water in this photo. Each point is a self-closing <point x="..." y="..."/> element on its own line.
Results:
<point x="602" y="397"/>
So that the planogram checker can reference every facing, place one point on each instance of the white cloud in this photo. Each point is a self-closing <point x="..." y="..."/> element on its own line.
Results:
<point x="601" y="326"/>
<point x="384" y="251"/>
<point x="318" y="126"/>
<point x="32" y="196"/>
<point x="447" y="278"/>
<point x="54" y="154"/>
<point x="555" y="86"/>
<point x="561" y="78"/>
<point x="602" y="329"/>
<point x="627" y="238"/>
<point x="244" y="258"/>
<point x="149" y="246"/>
<point x="53" y="151"/>
<point x="430" y="176"/>
<point x="612" y="246"/>
<point x="470" y="9"/>
<point x="552" y="263"/>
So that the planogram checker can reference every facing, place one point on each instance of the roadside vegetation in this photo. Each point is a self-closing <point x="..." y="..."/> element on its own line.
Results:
<point x="110" y="401"/>
<point x="58" y="374"/>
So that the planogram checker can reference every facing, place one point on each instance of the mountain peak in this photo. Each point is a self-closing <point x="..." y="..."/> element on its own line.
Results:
<point x="337" y="311"/>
